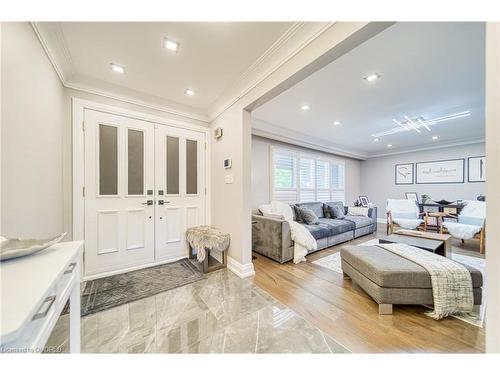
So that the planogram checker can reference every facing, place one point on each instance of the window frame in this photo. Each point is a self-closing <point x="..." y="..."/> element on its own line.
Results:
<point x="298" y="155"/>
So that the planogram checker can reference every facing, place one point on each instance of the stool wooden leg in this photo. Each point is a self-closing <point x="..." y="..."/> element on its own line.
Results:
<point x="205" y="261"/>
<point x="385" y="309"/>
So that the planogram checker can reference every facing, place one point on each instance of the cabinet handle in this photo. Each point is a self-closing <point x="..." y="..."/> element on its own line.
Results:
<point x="70" y="268"/>
<point x="44" y="313"/>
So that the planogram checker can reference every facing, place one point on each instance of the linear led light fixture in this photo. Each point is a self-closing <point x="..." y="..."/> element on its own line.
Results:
<point x="418" y="123"/>
<point x="412" y="124"/>
<point x="421" y="122"/>
<point x="401" y="125"/>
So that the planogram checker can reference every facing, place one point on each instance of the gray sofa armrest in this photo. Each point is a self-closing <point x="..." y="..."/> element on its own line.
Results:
<point x="372" y="213"/>
<point x="272" y="238"/>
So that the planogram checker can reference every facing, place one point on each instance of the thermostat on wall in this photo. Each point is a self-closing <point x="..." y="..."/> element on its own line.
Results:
<point x="228" y="163"/>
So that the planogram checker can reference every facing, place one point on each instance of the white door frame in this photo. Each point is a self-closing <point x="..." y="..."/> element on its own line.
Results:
<point x="78" y="108"/>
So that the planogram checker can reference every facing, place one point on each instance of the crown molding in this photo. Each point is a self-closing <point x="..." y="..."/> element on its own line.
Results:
<point x="460" y="142"/>
<point x="55" y="47"/>
<point x="294" y="40"/>
<point x="61" y="62"/>
<point x="270" y="131"/>
<point x="265" y="129"/>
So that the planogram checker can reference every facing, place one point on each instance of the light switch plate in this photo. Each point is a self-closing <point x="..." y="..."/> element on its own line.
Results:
<point x="228" y="179"/>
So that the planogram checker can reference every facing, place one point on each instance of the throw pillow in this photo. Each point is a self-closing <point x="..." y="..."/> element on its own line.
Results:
<point x="337" y="212"/>
<point x="296" y="210"/>
<point x="357" y="211"/>
<point x="308" y="216"/>
<point x="267" y="211"/>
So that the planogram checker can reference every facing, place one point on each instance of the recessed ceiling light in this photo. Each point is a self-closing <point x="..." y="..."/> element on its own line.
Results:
<point x="372" y="77"/>
<point x="305" y="107"/>
<point x="435" y="137"/>
<point x="117" y="68"/>
<point x="389" y="145"/>
<point x="189" y="92"/>
<point x="170" y="45"/>
<point x="336" y="123"/>
<point x="376" y="140"/>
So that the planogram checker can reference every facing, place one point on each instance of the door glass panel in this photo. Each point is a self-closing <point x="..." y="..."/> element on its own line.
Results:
<point x="191" y="166"/>
<point x="135" y="162"/>
<point x="172" y="165"/>
<point x="108" y="160"/>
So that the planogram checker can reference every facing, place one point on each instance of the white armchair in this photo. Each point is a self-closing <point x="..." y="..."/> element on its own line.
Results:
<point x="404" y="213"/>
<point x="470" y="223"/>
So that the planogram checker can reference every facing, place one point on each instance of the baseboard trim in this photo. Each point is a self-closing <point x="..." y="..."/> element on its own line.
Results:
<point x="241" y="270"/>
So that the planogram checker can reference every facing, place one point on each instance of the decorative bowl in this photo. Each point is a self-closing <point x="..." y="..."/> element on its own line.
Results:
<point x="442" y="201"/>
<point x="11" y="248"/>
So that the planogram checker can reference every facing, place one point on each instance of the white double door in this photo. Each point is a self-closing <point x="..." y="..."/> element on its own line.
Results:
<point x="144" y="186"/>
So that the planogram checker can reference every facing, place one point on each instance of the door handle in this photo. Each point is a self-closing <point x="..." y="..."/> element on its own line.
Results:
<point x="148" y="203"/>
<point x="161" y="202"/>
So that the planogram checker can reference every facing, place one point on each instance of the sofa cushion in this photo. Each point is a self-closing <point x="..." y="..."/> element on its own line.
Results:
<point x="359" y="221"/>
<point x="316" y="207"/>
<point x="389" y="270"/>
<point x="328" y="209"/>
<point x="320" y="230"/>
<point x="308" y="216"/>
<point x="338" y="226"/>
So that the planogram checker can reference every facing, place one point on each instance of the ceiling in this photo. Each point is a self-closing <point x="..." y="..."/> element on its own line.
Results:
<point x="426" y="69"/>
<point x="211" y="56"/>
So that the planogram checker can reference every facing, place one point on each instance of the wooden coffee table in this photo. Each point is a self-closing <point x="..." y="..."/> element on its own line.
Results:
<point x="445" y="238"/>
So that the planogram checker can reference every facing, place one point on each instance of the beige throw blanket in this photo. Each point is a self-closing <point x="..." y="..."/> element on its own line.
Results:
<point x="451" y="282"/>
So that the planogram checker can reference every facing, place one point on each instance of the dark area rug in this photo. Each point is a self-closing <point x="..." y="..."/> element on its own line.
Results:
<point x="112" y="291"/>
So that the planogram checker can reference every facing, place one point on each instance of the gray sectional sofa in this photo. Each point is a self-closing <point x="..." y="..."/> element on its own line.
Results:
<point x="272" y="238"/>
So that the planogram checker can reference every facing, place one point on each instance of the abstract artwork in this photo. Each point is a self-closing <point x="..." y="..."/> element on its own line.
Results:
<point x="404" y="174"/>
<point x="477" y="169"/>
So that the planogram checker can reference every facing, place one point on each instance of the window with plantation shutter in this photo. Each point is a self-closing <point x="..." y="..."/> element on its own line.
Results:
<point x="338" y="182"/>
<point x="285" y="177"/>
<point x="322" y="180"/>
<point x="300" y="177"/>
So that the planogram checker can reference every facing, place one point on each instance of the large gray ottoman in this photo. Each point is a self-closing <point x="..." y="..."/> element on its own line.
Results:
<point x="392" y="280"/>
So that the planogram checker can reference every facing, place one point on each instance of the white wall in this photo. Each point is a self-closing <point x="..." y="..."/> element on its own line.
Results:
<point x="32" y="129"/>
<point x="36" y="193"/>
<point x="261" y="172"/>
<point x="232" y="203"/>
<point x="377" y="176"/>
<point x="493" y="186"/>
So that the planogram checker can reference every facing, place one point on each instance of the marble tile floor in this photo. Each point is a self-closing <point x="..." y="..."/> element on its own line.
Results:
<point x="221" y="314"/>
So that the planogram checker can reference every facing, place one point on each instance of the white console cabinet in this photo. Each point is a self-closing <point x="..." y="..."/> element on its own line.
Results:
<point x="34" y="290"/>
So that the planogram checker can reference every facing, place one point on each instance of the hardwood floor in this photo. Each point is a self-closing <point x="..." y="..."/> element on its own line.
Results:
<point x="351" y="317"/>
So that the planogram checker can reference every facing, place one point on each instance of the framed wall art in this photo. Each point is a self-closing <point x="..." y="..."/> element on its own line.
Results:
<point x="403" y="174"/>
<point x="476" y="169"/>
<point x="440" y="172"/>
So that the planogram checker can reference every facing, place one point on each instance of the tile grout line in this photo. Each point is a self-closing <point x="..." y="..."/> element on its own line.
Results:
<point x="257" y="334"/>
